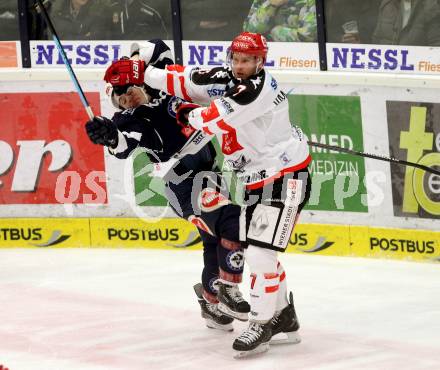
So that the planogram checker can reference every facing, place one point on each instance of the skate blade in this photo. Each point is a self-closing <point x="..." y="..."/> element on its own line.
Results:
<point x="264" y="347"/>
<point x="213" y="325"/>
<point x="242" y="316"/>
<point x="292" y="337"/>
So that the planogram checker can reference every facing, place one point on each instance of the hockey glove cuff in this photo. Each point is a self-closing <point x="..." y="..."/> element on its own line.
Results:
<point x="102" y="131"/>
<point x="125" y="72"/>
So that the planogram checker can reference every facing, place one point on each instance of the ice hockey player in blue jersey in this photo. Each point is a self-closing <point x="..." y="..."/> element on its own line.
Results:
<point x="147" y="118"/>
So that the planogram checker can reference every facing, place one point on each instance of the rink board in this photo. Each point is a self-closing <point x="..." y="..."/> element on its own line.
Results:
<point x="173" y="233"/>
<point x="84" y="197"/>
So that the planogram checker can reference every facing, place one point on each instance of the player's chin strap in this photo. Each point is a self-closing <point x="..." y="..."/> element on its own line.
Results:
<point x="375" y="156"/>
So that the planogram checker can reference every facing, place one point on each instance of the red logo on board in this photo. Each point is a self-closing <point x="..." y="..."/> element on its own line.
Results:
<point x="45" y="154"/>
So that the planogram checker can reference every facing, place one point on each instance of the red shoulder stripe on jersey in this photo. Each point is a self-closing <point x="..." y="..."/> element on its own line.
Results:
<point x="170" y="83"/>
<point x="182" y="86"/>
<point x="280" y="174"/>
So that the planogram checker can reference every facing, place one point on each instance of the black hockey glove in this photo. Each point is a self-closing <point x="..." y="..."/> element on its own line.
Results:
<point x="102" y="131"/>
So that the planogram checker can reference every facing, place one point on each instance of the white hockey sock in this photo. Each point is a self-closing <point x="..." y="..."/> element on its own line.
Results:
<point x="264" y="282"/>
<point x="282" y="291"/>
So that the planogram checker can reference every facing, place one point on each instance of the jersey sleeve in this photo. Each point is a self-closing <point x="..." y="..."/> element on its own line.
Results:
<point x="176" y="80"/>
<point x="189" y="83"/>
<point x="154" y="52"/>
<point x="240" y="105"/>
<point x="131" y="131"/>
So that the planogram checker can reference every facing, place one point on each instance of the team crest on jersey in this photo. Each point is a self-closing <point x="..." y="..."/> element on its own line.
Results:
<point x="210" y="200"/>
<point x="239" y="164"/>
<point x="235" y="260"/>
<point x="173" y="104"/>
<point x="200" y="224"/>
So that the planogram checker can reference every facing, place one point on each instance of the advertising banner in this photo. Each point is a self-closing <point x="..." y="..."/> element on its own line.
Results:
<point x="10" y="54"/>
<point x="320" y="239"/>
<point x="89" y="54"/>
<point x="44" y="232"/>
<point x="281" y="55"/>
<point x="45" y="154"/>
<point x="383" y="58"/>
<point x="174" y="233"/>
<point x="395" y="243"/>
<point x="414" y="135"/>
<point x="338" y="179"/>
<point x="363" y="241"/>
<point x="138" y="233"/>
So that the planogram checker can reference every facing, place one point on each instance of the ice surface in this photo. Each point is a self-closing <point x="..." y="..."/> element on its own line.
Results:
<point x="96" y="309"/>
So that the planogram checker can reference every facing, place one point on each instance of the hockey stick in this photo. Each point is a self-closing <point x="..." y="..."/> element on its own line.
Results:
<point x="56" y="39"/>
<point x="375" y="156"/>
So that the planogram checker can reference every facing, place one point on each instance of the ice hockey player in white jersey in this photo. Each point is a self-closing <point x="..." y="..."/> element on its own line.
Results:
<point x="248" y="112"/>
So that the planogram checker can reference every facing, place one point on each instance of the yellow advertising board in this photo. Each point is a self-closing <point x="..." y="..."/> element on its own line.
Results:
<point x="327" y="240"/>
<point x="44" y="232"/>
<point x="167" y="233"/>
<point x="395" y="243"/>
<point x="174" y="233"/>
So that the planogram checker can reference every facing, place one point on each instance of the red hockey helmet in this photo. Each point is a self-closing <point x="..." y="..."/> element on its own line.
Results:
<point x="250" y="43"/>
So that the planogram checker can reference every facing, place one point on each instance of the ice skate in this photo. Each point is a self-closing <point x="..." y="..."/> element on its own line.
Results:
<point x="285" y="325"/>
<point x="231" y="302"/>
<point x="213" y="317"/>
<point x="255" y="339"/>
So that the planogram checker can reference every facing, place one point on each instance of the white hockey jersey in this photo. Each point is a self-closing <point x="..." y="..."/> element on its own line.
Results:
<point x="250" y="118"/>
